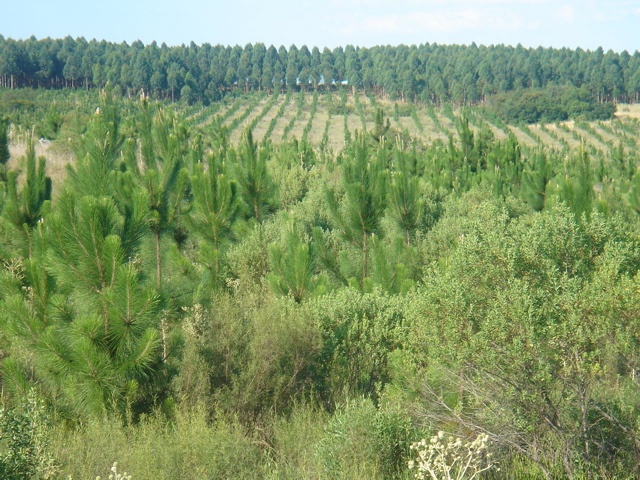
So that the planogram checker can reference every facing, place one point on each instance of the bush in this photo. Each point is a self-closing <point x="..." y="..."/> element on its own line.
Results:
<point x="363" y="442"/>
<point x="279" y="364"/>
<point x="24" y="437"/>
<point x="551" y="104"/>
<point x="359" y="331"/>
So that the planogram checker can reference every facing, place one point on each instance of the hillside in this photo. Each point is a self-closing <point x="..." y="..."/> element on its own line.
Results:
<point x="304" y="285"/>
<point x="328" y="120"/>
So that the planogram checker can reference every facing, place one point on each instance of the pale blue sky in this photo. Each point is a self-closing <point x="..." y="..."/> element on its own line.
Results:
<point x="613" y="24"/>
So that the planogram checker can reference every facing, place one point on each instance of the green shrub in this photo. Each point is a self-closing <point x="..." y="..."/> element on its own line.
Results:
<point x="359" y="331"/>
<point x="551" y="104"/>
<point x="24" y="442"/>
<point x="279" y="365"/>
<point x="361" y="441"/>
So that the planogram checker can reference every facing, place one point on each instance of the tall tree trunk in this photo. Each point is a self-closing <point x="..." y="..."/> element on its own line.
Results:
<point x="158" y="261"/>
<point x="256" y="209"/>
<point x="364" y="257"/>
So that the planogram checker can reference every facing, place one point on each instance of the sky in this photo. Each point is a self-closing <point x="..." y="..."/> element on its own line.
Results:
<point x="588" y="24"/>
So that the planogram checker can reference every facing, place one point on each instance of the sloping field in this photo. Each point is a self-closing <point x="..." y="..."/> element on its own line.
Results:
<point x="332" y="118"/>
<point x="329" y="120"/>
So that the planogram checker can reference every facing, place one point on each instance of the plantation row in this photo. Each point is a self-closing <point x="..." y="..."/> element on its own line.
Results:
<point x="323" y="119"/>
<point x="326" y="119"/>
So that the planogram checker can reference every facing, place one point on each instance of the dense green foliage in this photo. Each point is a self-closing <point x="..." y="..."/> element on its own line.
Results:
<point x="428" y="72"/>
<point x="193" y="307"/>
<point x="552" y="104"/>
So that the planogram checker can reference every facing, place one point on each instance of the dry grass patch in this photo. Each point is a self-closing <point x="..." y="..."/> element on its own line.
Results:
<point x="262" y="126"/>
<point x="239" y="130"/>
<point x="627" y="110"/>
<point x="407" y="123"/>
<point x="430" y="132"/>
<point x="57" y="156"/>
<point x="590" y="139"/>
<point x="317" y="128"/>
<point x="498" y="133"/>
<point x="336" y="133"/>
<point x="446" y="122"/>
<point x="546" y="139"/>
<point x="221" y="112"/>
<point x="282" y="122"/>
<point x="354" y="123"/>
<point x="608" y="137"/>
<point x="252" y="116"/>
<point x="566" y="136"/>
<point x="299" y="125"/>
<point x="522" y="137"/>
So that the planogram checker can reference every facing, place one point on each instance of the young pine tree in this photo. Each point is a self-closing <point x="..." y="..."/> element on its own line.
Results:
<point x="405" y="196"/>
<point x="257" y="189"/>
<point x="467" y="137"/>
<point x="391" y="266"/>
<point x="359" y="214"/>
<point x="26" y="206"/>
<point x="380" y="128"/>
<point x="98" y="171"/>
<point x="576" y="189"/>
<point x="164" y="178"/>
<point x="633" y="194"/>
<point x="215" y="208"/>
<point x="293" y="266"/>
<point x="98" y="151"/>
<point x="535" y="181"/>
<point x="99" y="351"/>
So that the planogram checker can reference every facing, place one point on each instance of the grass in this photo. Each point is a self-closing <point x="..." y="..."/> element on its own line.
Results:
<point x="628" y="111"/>
<point x="191" y="446"/>
<point x="57" y="155"/>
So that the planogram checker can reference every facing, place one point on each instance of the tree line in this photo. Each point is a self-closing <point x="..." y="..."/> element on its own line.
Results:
<point x="426" y="72"/>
